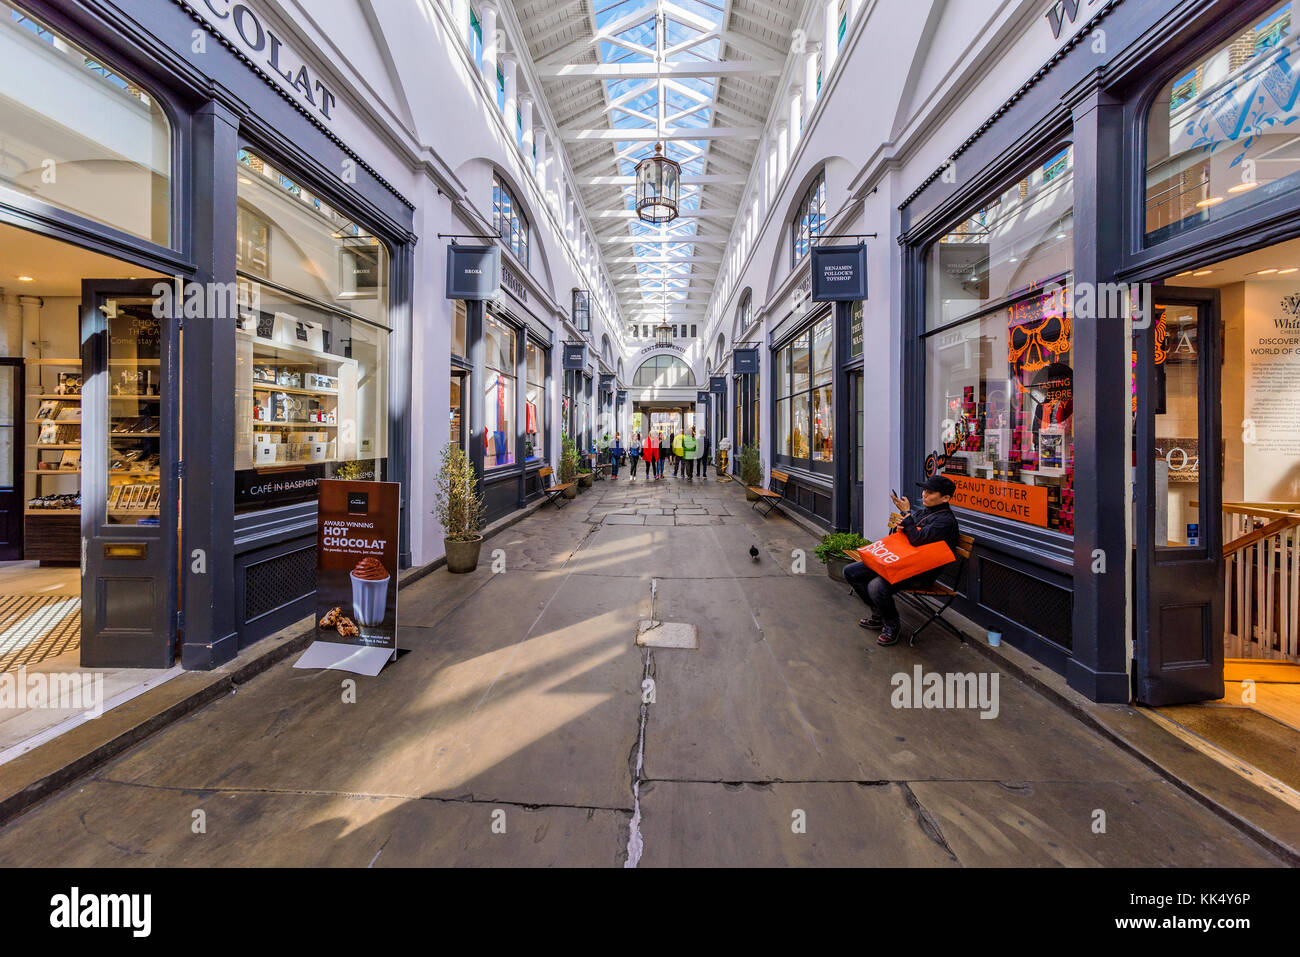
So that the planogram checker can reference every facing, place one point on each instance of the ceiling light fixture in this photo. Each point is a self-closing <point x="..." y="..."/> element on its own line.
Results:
<point x="1211" y="201"/>
<point x="1286" y="272"/>
<point x="658" y="178"/>
<point x="1242" y="187"/>
<point x="26" y="278"/>
<point x="1203" y="272"/>
<point x="1265" y="272"/>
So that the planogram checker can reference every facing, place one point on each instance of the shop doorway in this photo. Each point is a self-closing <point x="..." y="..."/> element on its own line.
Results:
<point x="44" y="430"/>
<point x="11" y="459"/>
<point x="1217" y="455"/>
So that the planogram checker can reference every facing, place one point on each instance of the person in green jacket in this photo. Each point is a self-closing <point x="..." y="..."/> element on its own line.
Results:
<point x="689" y="446"/>
<point x="678" y="441"/>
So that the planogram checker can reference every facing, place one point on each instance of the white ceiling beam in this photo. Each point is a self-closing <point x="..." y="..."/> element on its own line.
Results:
<point x="651" y="260"/>
<point x="685" y="214"/>
<point x="705" y="180"/>
<point x="651" y="135"/>
<point x="702" y="70"/>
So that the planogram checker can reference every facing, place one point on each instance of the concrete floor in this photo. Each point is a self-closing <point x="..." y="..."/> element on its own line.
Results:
<point x="511" y="731"/>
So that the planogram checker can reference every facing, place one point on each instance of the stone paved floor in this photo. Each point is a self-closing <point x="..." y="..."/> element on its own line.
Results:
<point x="519" y="708"/>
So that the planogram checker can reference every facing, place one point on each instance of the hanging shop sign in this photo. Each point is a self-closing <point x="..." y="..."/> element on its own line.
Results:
<point x="606" y="383"/>
<point x="718" y="384"/>
<point x="267" y="52"/>
<point x="622" y="396"/>
<point x="702" y="398"/>
<point x="745" y="361"/>
<point x="473" y="272"/>
<point x="855" y="331"/>
<point x="839" y="273"/>
<point x="356" y="576"/>
<point x="575" y="355"/>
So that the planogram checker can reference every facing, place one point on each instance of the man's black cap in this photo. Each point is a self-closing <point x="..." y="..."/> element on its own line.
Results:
<point x="939" y="483"/>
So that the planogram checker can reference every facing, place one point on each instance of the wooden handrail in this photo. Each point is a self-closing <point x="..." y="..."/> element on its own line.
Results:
<point x="1259" y="534"/>
<point x="1265" y="510"/>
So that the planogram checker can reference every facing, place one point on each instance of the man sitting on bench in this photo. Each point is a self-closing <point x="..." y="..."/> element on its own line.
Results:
<point x="933" y="523"/>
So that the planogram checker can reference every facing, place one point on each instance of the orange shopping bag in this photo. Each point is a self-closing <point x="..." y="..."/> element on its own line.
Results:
<point x="894" y="558"/>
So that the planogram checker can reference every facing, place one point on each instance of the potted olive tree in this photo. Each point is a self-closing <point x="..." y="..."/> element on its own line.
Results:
<point x="831" y="552"/>
<point x="459" y="509"/>
<point x="751" y="472"/>
<point x="569" y="467"/>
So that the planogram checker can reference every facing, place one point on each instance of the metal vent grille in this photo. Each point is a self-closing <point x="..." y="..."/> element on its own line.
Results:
<point x="1034" y="604"/>
<point x="278" y="581"/>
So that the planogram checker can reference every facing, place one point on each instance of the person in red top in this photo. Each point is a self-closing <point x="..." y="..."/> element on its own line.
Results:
<point x="650" y="452"/>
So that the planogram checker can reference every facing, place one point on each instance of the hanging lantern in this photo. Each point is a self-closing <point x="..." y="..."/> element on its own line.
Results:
<point x="663" y="334"/>
<point x="658" y="181"/>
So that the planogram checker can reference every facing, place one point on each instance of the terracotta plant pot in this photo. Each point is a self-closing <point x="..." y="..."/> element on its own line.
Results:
<point x="751" y="496"/>
<point x="585" y="479"/>
<point x="462" y="557"/>
<point x="835" y="568"/>
<point x="570" y="492"/>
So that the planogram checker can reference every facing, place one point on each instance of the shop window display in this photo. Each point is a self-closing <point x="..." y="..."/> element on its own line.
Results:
<point x="1220" y="132"/>
<point x="805" y="423"/>
<point x="63" y="110"/>
<point x="535" y="404"/>
<point x="311" y="342"/>
<point x="999" y="367"/>
<point x="498" y="394"/>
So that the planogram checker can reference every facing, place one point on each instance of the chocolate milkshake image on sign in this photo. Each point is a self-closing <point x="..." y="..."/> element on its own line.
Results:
<point x="369" y="591"/>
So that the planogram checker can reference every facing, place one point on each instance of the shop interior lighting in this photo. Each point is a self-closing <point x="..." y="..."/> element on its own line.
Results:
<point x="1265" y="272"/>
<point x="1211" y="201"/>
<point x="26" y="278"/>
<point x="1242" y="187"/>
<point x="1286" y="272"/>
<point x="1203" y="272"/>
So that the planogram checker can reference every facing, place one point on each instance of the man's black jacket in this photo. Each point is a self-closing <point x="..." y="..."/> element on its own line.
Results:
<point x="923" y="526"/>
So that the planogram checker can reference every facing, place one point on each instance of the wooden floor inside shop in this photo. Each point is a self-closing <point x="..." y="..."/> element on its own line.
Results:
<point x="1254" y="728"/>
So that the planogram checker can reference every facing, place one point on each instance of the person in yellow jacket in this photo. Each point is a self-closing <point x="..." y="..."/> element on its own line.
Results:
<point x="689" y="446"/>
<point x="678" y="450"/>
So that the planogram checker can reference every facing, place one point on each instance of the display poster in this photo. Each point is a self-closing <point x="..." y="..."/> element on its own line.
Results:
<point x="1271" y="430"/>
<point x="356" y="576"/>
<point x="1024" y="503"/>
<point x="855" y="331"/>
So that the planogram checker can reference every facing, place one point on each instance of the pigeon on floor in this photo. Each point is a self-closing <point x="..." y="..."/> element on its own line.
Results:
<point x="753" y="552"/>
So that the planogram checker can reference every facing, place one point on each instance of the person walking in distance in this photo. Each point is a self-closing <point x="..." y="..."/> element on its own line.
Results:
<point x="688" y="454"/>
<point x="704" y="455"/>
<point x="634" y="451"/>
<point x="650" y="452"/>
<point x="615" y="455"/>
<point x="678" y="441"/>
<point x="665" y="451"/>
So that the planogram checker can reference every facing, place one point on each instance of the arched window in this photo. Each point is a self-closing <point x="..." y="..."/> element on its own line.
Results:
<point x="744" y="314"/>
<point x="606" y="352"/>
<point x="809" y="218"/>
<point x="1219" y="134"/>
<point x="663" y="372"/>
<point x="508" y="217"/>
<point x="721" y="348"/>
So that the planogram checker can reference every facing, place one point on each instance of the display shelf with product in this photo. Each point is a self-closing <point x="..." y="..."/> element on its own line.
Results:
<point x="51" y="524"/>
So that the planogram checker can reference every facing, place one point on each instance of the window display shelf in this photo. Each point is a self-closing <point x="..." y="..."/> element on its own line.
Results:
<point x="54" y="471"/>
<point x="133" y="363"/>
<point x="295" y="425"/>
<point x="268" y="387"/>
<point x="54" y="362"/>
<point x="133" y="435"/>
<point x="54" y="445"/>
<point x="52" y="511"/>
<point x="41" y="395"/>
<point x="285" y="352"/>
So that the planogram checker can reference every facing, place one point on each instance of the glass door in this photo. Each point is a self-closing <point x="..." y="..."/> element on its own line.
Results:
<point x="11" y="459"/>
<point x="129" y="486"/>
<point x="1179" y="575"/>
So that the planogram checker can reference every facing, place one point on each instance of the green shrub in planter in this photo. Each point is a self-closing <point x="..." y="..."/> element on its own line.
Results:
<point x="833" y="545"/>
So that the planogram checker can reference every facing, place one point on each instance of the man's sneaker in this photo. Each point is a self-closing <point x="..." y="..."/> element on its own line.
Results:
<point x="888" y="635"/>
<point x="874" y="621"/>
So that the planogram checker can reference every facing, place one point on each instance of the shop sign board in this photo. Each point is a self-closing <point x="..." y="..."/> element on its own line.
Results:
<point x="473" y="272"/>
<point x="622" y="396"/>
<point x="718" y="384"/>
<point x="839" y="273"/>
<point x="575" y="355"/>
<point x="702" y="397"/>
<point x="356" y="576"/>
<point x="745" y="361"/>
<point x="1024" y="503"/>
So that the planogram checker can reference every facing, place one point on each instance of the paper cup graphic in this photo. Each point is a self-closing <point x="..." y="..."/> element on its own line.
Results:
<point x="995" y="638"/>
<point x="368" y="599"/>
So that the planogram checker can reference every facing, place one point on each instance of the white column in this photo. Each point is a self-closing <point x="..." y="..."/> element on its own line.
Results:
<point x="810" y="79"/>
<point x="526" y="115"/>
<point x="855" y="7"/>
<point x="763" y="182"/>
<point x="782" y="149"/>
<point x="772" y="176"/>
<point x="510" y="108"/>
<point x="488" y="23"/>
<point x="570" y="222"/>
<point x="539" y="135"/>
<point x="460" y="12"/>
<point x="796" y="116"/>
<point x="831" y="41"/>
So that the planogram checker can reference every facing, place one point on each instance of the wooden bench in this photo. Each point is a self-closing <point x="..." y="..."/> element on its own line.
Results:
<point x="554" y="492"/>
<point x="601" y="470"/>
<point x="933" y="600"/>
<point x="774" y="492"/>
